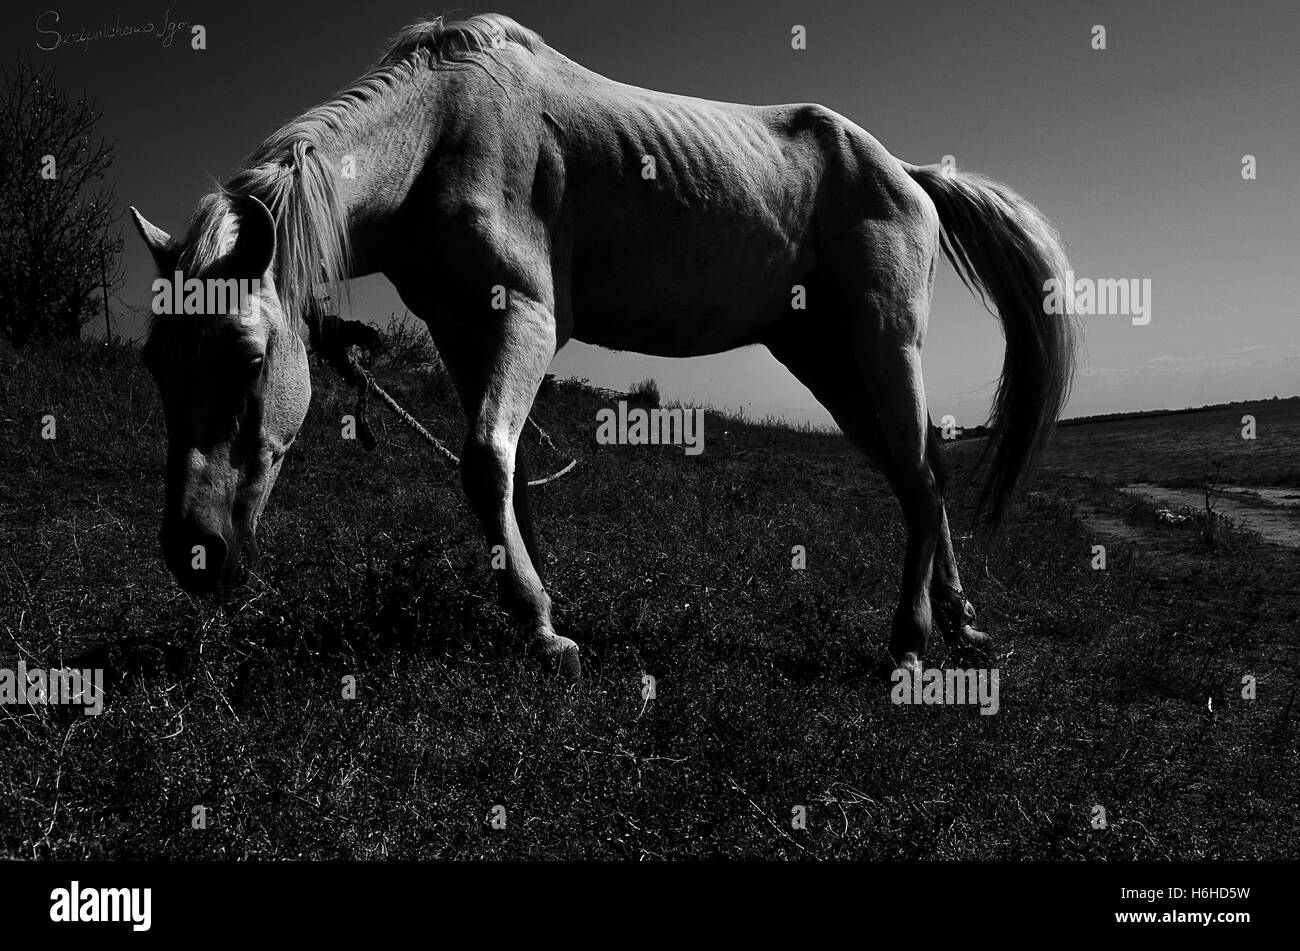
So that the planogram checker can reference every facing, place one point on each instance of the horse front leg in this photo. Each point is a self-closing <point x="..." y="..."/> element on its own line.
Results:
<point x="498" y="382"/>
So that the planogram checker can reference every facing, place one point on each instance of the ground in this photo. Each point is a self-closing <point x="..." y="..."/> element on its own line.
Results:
<point x="1119" y="687"/>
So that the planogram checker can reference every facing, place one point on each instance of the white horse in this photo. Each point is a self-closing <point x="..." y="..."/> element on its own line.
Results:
<point x="516" y="201"/>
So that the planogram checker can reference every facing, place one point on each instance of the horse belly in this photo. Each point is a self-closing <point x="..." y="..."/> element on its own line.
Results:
<point x="688" y="282"/>
<point x="702" y="255"/>
<point x="669" y="305"/>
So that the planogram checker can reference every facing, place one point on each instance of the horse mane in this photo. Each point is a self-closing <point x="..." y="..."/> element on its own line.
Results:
<point x="288" y="174"/>
<point x="458" y="41"/>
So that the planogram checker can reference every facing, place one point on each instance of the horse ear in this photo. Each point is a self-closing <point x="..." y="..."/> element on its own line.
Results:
<point x="158" y="241"/>
<point x="254" y="249"/>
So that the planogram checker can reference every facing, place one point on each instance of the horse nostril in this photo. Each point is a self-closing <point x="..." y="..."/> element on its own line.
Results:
<point x="196" y="557"/>
<point x="208" y="552"/>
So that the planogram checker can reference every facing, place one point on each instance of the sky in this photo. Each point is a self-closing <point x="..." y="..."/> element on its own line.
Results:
<point x="1134" y="151"/>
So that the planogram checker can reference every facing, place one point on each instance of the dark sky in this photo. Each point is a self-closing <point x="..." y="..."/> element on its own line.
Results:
<point x="1135" y="152"/>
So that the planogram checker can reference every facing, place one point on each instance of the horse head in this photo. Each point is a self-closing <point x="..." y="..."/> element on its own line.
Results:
<point x="233" y="378"/>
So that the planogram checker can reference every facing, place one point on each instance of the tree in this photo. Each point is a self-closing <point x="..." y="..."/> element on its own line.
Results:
<point x="55" y="212"/>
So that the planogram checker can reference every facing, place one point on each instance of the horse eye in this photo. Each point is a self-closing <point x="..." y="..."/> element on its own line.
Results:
<point x="253" y="366"/>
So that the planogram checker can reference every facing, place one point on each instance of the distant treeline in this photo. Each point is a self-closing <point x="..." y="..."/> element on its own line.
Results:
<point x="1152" y="413"/>
<point x="979" y="432"/>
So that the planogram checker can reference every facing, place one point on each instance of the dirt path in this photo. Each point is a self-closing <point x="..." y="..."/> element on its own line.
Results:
<point x="1275" y="516"/>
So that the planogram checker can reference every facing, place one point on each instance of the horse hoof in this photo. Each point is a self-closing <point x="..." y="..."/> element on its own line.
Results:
<point x="970" y="637"/>
<point x="909" y="663"/>
<point x="559" y="654"/>
<point x="886" y="670"/>
<point x="963" y="634"/>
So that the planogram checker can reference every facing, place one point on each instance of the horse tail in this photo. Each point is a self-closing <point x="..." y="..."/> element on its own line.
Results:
<point x="1006" y="252"/>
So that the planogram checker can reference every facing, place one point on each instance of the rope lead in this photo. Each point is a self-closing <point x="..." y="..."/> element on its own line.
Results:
<point x="343" y="335"/>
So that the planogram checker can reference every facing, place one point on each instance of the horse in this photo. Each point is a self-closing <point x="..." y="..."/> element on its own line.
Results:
<point x="516" y="201"/>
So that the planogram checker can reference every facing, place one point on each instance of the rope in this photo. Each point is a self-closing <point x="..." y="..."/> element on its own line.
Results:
<point x="343" y="334"/>
<point x="541" y="435"/>
<point x="367" y="382"/>
<point x="553" y="476"/>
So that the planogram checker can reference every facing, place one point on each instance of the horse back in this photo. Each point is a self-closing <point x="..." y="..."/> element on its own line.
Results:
<point x="674" y="225"/>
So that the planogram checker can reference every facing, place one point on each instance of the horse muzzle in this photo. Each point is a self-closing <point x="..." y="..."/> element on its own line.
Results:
<point x="201" y="560"/>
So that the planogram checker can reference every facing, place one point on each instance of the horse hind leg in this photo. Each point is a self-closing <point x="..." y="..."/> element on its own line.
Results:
<point x="893" y="377"/>
<point x="823" y="360"/>
<point x="954" y="616"/>
<point x="884" y="277"/>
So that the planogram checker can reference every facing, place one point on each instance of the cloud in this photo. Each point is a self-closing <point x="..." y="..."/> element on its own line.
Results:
<point x="1173" y="365"/>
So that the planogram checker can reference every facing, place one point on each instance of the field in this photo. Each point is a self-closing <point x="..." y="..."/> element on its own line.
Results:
<point x="1180" y="449"/>
<point x="1120" y="688"/>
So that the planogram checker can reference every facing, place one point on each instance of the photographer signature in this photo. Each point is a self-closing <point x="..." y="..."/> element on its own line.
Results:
<point x="83" y="37"/>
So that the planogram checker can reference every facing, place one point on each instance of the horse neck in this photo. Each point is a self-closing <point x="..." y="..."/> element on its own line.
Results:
<point x="377" y="157"/>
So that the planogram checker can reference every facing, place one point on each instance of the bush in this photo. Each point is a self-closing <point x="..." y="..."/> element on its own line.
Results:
<point x="646" y="392"/>
<point x="406" y="345"/>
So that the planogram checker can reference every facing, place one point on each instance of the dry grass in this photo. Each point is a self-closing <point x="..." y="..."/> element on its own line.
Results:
<point x="659" y="563"/>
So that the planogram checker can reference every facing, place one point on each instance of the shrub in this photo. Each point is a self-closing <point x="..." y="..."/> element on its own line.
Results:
<point x="406" y="345"/>
<point x="646" y="392"/>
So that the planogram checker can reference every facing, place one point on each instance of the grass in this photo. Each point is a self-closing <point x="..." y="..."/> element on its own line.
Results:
<point x="662" y="564"/>
<point x="1182" y="449"/>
